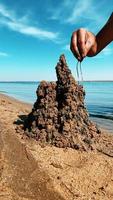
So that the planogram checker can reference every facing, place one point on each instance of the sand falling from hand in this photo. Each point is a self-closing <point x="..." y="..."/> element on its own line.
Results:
<point x="59" y="116"/>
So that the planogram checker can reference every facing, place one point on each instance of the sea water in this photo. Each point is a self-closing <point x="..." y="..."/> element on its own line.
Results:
<point x="98" y="99"/>
<point x="99" y="102"/>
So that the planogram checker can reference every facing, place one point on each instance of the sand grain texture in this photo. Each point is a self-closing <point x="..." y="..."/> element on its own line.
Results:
<point x="30" y="171"/>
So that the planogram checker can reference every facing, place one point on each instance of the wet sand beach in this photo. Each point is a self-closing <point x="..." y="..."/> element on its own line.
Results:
<point x="29" y="171"/>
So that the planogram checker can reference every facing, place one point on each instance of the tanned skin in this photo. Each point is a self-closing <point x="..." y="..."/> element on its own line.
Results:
<point x="85" y="43"/>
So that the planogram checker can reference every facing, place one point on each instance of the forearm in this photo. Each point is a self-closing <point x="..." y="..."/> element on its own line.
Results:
<point x="103" y="38"/>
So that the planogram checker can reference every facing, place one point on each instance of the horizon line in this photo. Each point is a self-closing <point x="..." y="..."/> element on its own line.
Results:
<point x="53" y="81"/>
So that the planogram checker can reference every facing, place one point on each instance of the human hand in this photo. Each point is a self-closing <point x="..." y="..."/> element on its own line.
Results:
<point x="83" y="43"/>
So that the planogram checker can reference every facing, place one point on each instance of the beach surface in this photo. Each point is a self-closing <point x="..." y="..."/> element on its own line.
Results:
<point x="29" y="171"/>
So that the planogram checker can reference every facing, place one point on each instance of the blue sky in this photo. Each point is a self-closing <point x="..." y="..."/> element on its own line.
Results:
<point x="33" y="34"/>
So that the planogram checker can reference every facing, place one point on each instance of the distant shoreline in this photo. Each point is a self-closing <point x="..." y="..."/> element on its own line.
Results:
<point x="53" y="81"/>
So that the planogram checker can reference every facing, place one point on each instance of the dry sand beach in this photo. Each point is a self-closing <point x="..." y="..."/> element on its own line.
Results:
<point x="30" y="171"/>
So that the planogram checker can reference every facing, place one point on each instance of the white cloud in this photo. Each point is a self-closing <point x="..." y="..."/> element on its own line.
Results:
<point x="3" y="54"/>
<point x="5" y="12"/>
<point x="29" y="30"/>
<point x="58" y="12"/>
<point x="9" y="20"/>
<point x="78" y="10"/>
<point x="74" y="12"/>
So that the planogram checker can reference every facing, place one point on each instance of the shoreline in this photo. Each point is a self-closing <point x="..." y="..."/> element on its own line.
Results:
<point x="50" y="80"/>
<point x="14" y="99"/>
<point x="101" y="122"/>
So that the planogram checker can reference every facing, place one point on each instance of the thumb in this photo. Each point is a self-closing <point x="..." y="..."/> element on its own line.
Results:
<point x="91" y="44"/>
<point x="88" y="45"/>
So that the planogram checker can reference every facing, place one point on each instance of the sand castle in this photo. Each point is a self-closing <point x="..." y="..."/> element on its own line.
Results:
<point x="59" y="116"/>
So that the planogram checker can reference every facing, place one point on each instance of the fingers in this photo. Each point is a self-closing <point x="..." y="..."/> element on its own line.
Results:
<point x="82" y="43"/>
<point x="88" y="45"/>
<point x="77" y="46"/>
<point x="81" y="40"/>
<point x="73" y="46"/>
<point x="91" y="45"/>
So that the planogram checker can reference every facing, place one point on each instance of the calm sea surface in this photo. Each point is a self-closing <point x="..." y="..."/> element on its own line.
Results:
<point x="98" y="100"/>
